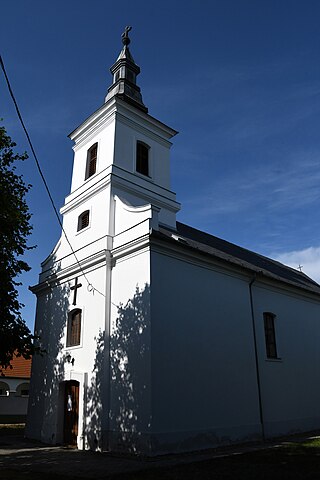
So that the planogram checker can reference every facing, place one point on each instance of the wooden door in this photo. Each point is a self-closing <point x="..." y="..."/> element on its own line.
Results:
<point x="71" y="412"/>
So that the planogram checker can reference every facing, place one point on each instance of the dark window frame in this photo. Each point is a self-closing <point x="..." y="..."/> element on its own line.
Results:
<point x="143" y="158"/>
<point x="74" y="328"/>
<point x="270" y="335"/>
<point x="92" y="156"/>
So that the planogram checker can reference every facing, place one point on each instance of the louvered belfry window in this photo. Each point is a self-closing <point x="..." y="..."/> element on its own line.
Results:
<point x="83" y="220"/>
<point x="142" y="158"/>
<point x="92" y="161"/>
<point x="74" y="328"/>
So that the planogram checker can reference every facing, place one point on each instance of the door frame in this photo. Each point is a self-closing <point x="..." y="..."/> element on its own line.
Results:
<point x="71" y="402"/>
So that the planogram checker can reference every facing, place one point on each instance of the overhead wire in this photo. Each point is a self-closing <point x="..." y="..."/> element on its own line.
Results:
<point x="90" y="287"/>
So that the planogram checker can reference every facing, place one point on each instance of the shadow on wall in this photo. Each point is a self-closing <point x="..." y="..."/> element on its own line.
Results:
<point x="94" y="399"/>
<point x="130" y="374"/>
<point x="48" y="369"/>
<point x="126" y="396"/>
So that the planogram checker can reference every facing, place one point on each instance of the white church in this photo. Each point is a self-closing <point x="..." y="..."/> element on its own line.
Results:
<point x="159" y="337"/>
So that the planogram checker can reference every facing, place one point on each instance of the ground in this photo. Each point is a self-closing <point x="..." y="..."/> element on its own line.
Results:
<point x="293" y="458"/>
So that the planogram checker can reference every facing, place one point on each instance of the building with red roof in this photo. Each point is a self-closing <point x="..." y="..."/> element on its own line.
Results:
<point x="14" y="390"/>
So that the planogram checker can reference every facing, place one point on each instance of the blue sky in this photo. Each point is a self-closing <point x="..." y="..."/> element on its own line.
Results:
<point x="240" y="81"/>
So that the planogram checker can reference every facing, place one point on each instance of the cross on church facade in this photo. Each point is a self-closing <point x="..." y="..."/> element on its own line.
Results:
<point x="75" y="288"/>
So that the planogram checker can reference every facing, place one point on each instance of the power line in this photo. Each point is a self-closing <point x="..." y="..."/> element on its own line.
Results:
<point x="89" y="286"/>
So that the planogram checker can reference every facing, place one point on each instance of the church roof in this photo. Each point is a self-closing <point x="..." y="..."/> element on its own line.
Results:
<point x="21" y="368"/>
<point x="228" y="252"/>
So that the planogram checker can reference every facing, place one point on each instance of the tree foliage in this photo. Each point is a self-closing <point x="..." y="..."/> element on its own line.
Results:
<point x="15" y="336"/>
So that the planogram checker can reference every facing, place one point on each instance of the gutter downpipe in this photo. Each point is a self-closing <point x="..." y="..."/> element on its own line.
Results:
<point x="256" y="358"/>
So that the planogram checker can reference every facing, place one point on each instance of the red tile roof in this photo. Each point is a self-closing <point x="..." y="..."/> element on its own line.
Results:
<point x="21" y="368"/>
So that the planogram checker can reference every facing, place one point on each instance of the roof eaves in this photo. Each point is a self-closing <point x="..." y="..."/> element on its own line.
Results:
<point x="214" y="252"/>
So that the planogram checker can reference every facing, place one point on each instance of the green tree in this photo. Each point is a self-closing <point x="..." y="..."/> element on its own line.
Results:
<point x="15" y="228"/>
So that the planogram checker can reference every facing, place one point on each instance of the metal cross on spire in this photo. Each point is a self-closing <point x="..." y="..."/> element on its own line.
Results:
<point x="125" y="37"/>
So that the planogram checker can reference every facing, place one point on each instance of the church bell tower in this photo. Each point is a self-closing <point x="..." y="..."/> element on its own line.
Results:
<point x="120" y="152"/>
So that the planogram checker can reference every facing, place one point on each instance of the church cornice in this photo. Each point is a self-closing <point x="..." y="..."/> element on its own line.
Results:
<point x="106" y="113"/>
<point x="91" y="262"/>
<point x="101" y="118"/>
<point x="162" y="198"/>
<point x="132" y="123"/>
<point x="152" y="121"/>
<point x="83" y="194"/>
<point x="131" y="248"/>
<point x="55" y="278"/>
<point x="165" y="198"/>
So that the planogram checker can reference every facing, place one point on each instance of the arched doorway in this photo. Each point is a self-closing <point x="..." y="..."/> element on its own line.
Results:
<point x="71" y="412"/>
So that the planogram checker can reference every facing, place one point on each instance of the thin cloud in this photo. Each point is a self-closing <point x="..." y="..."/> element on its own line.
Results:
<point x="308" y="259"/>
<point x="272" y="188"/>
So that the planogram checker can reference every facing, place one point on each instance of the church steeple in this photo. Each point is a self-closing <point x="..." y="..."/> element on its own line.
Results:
<point x="125" y="72"/>
<point x="125" y="152"/>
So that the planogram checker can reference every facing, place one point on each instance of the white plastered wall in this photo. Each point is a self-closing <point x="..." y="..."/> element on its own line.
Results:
<point x="125" y="153"/>
<point x="104" y="136"/>
<point x="290" y="387"/>
<point x="130" y="384"/>
<point x="45" y="419"/>
<point x="204" y="388"/>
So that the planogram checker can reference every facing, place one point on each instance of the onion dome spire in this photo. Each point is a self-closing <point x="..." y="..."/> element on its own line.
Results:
<point x="125" y="72"/>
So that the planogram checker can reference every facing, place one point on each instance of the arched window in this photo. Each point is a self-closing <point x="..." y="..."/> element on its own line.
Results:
<point x="142" y="158"/>
<point x="91" y="161"/>
<point x="74" y="328"/>
<point x="83" y="220"/>
<point x="4" y="389"/>
<point x="23" y="390"/>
